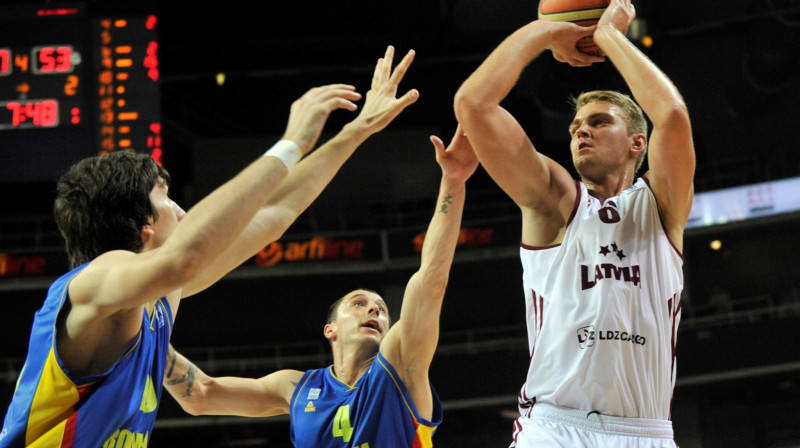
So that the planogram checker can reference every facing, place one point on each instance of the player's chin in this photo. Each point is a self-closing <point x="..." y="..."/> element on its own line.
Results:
<point x="373" y="343"/>
<point x="582" y="165"/>
<point x="373" y="334"/>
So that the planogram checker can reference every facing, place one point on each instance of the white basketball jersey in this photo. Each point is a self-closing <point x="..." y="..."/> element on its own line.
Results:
<point x="603" y="309"/>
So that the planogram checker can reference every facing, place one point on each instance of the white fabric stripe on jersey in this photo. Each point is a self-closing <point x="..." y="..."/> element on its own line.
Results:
<point x="606" y="424"/>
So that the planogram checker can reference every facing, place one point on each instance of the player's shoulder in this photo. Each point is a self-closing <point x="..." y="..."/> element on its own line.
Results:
<point x="641" y="184"/>
<point x="290" y="375"/>
<point x="85" y="282"/>
<point x="105" y="261"/>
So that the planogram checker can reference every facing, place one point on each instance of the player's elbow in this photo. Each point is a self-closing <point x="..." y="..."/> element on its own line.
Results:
<point x="182" y="265"/>
<point x="192" y="409"/>
<point x="196" y="403"/>
<point x="191" y="404"/>
<point x="674" y="115"/>
<point x="434" y="282"/>
<point x="467" y="104"/>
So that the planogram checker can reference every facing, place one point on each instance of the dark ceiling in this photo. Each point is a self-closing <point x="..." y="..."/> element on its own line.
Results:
<point x="735" y="63"/>
<point x="271" y="56"/>
<point x="273" y="51"/>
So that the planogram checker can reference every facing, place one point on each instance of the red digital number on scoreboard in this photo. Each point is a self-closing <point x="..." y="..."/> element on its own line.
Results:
<point x="5" y="62"/>
<point x="52" y="59"/>
<point x="30" y="114"/>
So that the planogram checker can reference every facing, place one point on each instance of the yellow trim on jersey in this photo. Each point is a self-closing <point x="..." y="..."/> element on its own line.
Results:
<point x="52" y="402"/>
<point x="399" y="389"/>
<point x="425" y="435"/>
<point x="333" y="374"/>
<point x="51" y="438"/>
<point x="424" y="432"/>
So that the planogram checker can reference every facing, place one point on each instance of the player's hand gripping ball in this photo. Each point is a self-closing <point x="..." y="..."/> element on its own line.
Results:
<point x="580" y="12"/>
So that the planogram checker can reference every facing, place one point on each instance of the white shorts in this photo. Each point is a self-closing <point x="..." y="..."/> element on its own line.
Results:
<point x="552" y="426"/>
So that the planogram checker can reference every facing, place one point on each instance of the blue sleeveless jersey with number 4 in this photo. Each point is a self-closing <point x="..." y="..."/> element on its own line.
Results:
<point x="376" y="412"/>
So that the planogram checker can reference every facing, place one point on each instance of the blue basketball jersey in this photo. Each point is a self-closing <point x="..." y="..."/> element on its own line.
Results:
<point x="54" y="407"/>
<point x="376" y="412"/>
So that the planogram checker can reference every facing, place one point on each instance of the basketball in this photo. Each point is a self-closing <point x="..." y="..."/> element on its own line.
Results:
<point x="580" y="12"/>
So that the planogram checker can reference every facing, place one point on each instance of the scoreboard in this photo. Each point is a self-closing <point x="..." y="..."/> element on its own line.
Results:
<point x="75" y="82"/>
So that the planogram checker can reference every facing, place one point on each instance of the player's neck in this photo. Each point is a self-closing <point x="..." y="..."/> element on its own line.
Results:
<point x="609" y="186"/>
<point x="348" y="369"/>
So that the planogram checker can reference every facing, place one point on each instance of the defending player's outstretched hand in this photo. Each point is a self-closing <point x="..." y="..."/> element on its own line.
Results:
<point x="310" y="112"/>
<point x="381" y="105"/>
<point x="458" y="161"/>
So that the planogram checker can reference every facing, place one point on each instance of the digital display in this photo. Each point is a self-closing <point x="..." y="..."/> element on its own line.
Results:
<point x="5" y="62"/>
<point x="52" y="59"/>
<point x="29" y="114"/>
<point x="75" y="82"/>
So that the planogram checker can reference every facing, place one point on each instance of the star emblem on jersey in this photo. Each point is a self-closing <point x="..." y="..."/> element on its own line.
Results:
<point x="604" y="250"/>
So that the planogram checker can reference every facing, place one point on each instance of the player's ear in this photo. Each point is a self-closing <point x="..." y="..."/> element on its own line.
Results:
<point x="638" y="143"/>
<point x="329" y="331"/>
<point x="147" y="233"/>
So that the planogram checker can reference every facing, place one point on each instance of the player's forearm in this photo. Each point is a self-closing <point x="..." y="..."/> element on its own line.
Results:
<point x="292" y="197"/>
<point x="181" y="380"/>
<point x="419" y="317"/>
<point x="652" y="89"/>
<point x="441" y="238"/>
<point x="212" y="225"/>
<point x="310" y="177"/>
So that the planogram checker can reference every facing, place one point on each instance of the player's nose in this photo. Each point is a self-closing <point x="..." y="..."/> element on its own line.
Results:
<point x="179" y="212"/>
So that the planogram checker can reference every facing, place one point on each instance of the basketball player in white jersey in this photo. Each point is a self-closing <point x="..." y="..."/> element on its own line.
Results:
<point x="601" y="256"/>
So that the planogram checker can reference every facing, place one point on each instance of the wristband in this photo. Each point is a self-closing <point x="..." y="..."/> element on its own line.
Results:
<point x="287" y="152"/>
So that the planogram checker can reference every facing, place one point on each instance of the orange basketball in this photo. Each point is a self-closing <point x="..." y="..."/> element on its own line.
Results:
<point x="580" y="12"/>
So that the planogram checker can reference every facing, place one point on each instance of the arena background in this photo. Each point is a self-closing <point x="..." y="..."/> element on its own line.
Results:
<point x="735" y="63"/>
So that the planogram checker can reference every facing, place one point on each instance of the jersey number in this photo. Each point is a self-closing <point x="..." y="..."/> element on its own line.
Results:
<point x="609" y="213"/>
<point x="341" y="423"/>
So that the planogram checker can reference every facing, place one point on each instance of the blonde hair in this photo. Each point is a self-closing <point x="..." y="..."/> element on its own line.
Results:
<point x="632" y="113"/>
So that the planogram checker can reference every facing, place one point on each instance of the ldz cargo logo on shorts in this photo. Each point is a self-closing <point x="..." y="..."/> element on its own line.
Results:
<point x="587" y="336"/>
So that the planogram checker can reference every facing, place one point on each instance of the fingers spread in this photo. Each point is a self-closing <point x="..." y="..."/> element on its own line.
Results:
<point x="402" y="67"/>
<point x="383" y="68"/>
<point x="376" y="75"/>
<point x="409" y="98"/>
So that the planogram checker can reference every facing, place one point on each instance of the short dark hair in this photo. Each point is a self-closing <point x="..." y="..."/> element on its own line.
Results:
<point x="103" y="203"/>
<point x="334" y="308"/>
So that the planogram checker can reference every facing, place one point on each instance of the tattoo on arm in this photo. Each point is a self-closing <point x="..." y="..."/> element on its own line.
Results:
<point x="172" y="362"/>
<point x="445" y="203"/>
<point x="187" y="377"/>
